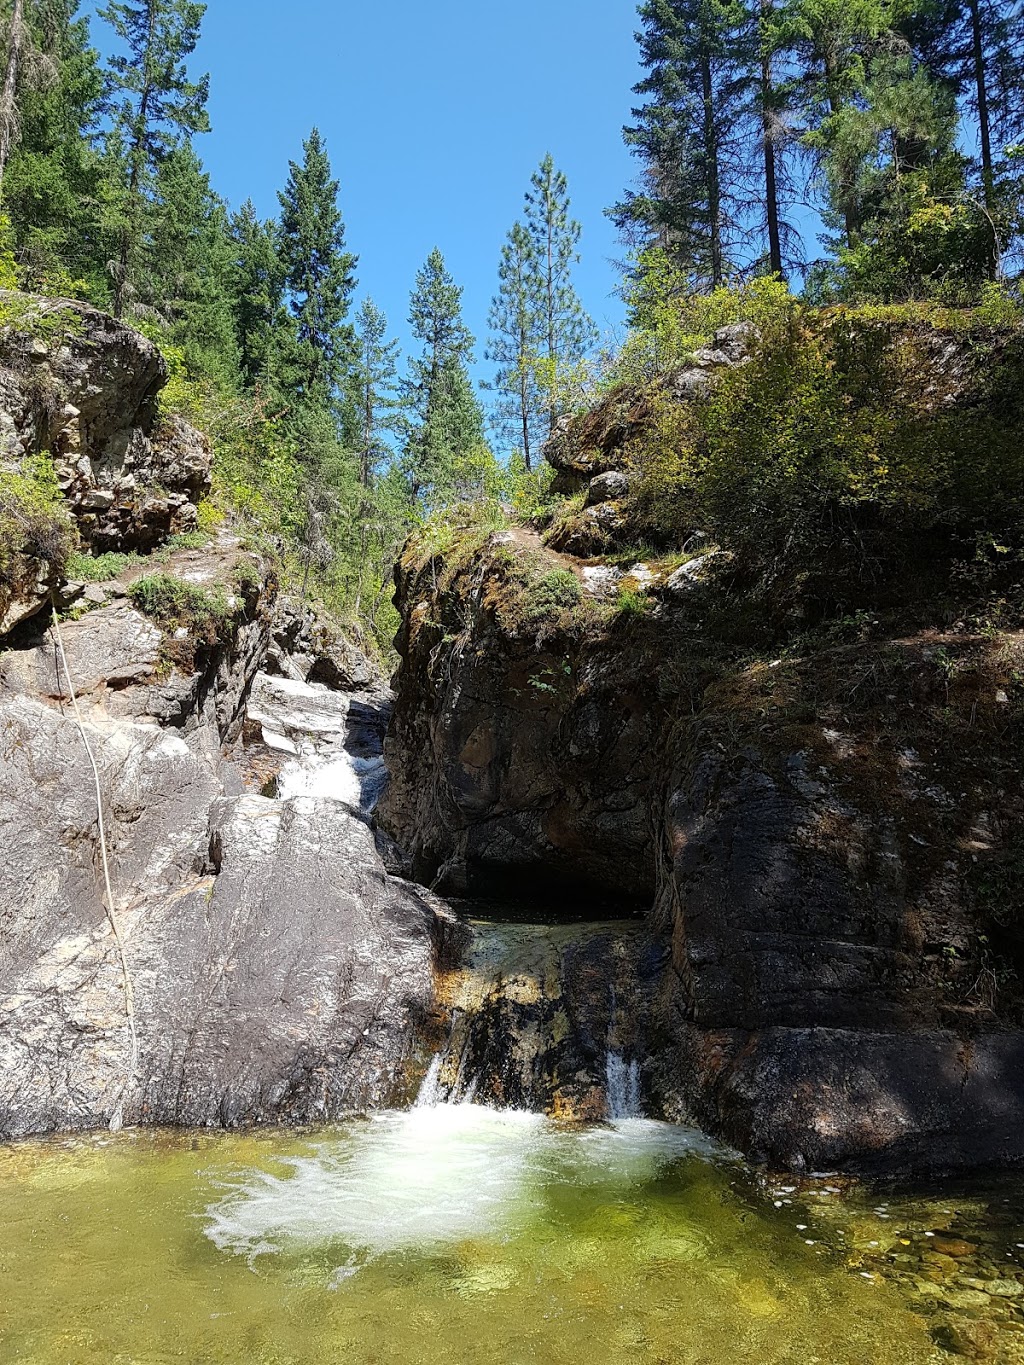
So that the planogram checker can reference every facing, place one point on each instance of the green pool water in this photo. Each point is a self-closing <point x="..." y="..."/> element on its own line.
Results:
<point x="460" y="1234"/>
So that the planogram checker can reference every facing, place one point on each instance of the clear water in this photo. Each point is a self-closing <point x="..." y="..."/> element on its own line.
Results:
<point x="462" y="1234"/>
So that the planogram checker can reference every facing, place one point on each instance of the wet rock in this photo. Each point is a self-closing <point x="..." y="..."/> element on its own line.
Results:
<point x="954" y="1246"/>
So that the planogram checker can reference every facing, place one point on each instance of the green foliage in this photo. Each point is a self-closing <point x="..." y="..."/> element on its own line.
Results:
<point x="319" y="278"/>
<point x="445" y="451"/>
<point x="34" y="520"/>
<point x="175" y="604"/>
<point x="554" y="591"/>
<point x="670" y="321"/>
<point x="86" y="568"/>
<point x="566" y="333"/>
<point x="154" y="105"/>
<point x="51" y="183"/>
<point x="827" y="451"/>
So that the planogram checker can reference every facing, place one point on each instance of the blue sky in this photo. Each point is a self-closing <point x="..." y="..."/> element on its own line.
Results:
<point x="436" y="112"/>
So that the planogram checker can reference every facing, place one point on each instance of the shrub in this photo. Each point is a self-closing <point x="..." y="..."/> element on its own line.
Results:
<point x="34" y="520"/>
<point x="554" y="591"/>
<point x="85" y="568"/>
<point x="174" y="604"/>
<point x="846" y="435"/>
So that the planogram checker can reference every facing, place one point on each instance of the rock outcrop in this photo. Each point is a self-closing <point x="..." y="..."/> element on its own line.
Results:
<point x="82" y="390"/>
<point x="828" y="840"/>
<point x="275" y="971"/>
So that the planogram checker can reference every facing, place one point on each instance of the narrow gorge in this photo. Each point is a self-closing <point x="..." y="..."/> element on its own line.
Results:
<point x="622" y="876"/>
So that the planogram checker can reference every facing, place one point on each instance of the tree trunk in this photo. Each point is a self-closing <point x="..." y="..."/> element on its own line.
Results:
<point x="9" y="95"/>
<point x="984" y="122"/>
<point x="771" y="190"/>
<point x="714" y="183"/>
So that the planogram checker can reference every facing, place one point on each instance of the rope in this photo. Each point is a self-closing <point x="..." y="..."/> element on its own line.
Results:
<point x="117" y="1120"/>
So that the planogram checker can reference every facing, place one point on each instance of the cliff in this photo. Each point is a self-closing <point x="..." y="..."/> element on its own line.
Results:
<point x="810" y="779"/>
<point x="254" y="962"/>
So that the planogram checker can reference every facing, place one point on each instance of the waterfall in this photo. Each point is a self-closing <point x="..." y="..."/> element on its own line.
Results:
<point x="622" y="1086"/>
<point x="622" y="1078"/>
<point x="430" y="1090"/>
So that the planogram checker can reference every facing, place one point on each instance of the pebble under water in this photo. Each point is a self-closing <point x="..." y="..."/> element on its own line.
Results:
<point x="464" y="1234"/>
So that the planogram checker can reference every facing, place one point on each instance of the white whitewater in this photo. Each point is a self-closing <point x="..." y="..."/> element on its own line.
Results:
<point x="622" y="1086"/>
<point x="433" y="1176"/>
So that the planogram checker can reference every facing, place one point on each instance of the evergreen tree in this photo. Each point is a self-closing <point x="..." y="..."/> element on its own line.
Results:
<point x="447" y="425"/>
<point x="517" y="340"/>
<point x="566" y="329"/>
<point x="52" y="182"/>
<point x="319" y="279"/>
<point x="261" y="321"/>
<point x="693" y="133"/>
<point x="378" y="374"/>
<point x="187" y="262"/>
<point x="834" y="41"/>
<point x="155" y="106"/>
<point x="976" y="47"/>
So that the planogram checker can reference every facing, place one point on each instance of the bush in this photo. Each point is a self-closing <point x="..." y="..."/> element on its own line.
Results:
<point x="34" y="520"/>
<point x="850" y="432"/>
<point x="85" y="568"/>
<point x="555" y="591"/>
<point x="174" y="604"/>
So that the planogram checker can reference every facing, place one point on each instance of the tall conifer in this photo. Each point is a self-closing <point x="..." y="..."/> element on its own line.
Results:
<point x="567" y="332"/>
<point x="319" y="275"/>
<point x="155" y="106"/>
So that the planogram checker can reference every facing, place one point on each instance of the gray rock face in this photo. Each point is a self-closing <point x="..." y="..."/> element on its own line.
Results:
<point x="607" y="487"/>
<point x="278" y="972"/>
<point x="85" y="392"/>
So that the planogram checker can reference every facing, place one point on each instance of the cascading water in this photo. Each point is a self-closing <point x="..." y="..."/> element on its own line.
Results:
<point x="622" y="1085"/>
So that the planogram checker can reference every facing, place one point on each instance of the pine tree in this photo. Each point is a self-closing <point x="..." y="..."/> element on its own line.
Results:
<point x="155" y="106"/>
<point x="261" y="322"/>
<point x="834" y="41"/>
<point x="567" y="331"/>
<point x="693" y="134"/>
<point x="976" y="47"/>
<point x="52" y="182"/>
<point x="377" y="373"/>
<point x="517" y="339"/>
<point x="186" y="264"/>
<point x="447" y="424"/>
<point x="319" y="279"/>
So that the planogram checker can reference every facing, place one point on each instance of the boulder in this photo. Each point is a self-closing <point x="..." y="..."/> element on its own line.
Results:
<point x="83" y="388"/>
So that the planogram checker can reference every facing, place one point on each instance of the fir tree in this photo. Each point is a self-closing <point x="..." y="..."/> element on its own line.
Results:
<point x="52" y="183"/>
<point x="447" y="424"/>
<point x="187" y="264"/>
<point x="319" y="278"/>
<point x="517" y="340"/>
<point x="566" y="329"/>
<point x="377" y="368"/>
<point x="155" y="106"/>
<point x="258" y="292"/>
<point x="693" y="134"/>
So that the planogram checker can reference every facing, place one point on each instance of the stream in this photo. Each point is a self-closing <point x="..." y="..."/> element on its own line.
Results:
<point x="460" y="1233"/>
<point x="523" y="1211"/>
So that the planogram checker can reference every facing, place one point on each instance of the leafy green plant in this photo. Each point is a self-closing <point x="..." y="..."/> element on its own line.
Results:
<point x="175" y="604"/>
<point x="554" y="591"/>
<point x="86" y="568"/>
<point x="34" y="521"/>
